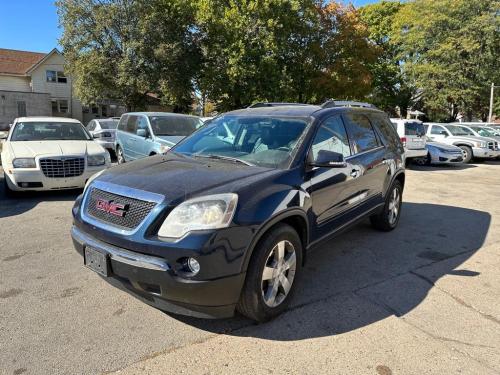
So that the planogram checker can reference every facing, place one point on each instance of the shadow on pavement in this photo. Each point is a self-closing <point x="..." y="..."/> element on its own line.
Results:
<point x="365" y="276"/>
<point x="26" y="201"/>
<point x="438" y="168"/>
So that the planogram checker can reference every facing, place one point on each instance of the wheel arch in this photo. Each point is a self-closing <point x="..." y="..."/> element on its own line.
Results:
<point x="296" y="218"/>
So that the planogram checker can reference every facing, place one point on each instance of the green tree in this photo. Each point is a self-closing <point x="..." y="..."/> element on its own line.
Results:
<point x="124" y="49"/>
<point x="451" y="50"/>
<point x="391" y="88"/>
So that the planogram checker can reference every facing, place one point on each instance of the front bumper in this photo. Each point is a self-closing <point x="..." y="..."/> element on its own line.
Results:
<point x="154" y="281"/>
<point x="415" y="153"/>
<point x="484" y="153"/>
<point x="439" y="157"/>
<point x="37" y="181"/>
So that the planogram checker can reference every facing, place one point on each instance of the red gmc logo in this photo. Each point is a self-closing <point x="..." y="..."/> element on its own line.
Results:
<point x="112" y="208"/>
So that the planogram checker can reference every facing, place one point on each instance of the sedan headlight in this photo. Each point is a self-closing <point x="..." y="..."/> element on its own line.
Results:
<point x="24" y="163"/>
<point x="96" y="160"/>
<point x="208" y="212"/>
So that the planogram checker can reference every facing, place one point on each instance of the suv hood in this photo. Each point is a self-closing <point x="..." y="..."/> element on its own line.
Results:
<point x="31" y="149"/>
<point x="180" y="177"/>
<point x="470" y="138"/>
<point x="444" y="146"/>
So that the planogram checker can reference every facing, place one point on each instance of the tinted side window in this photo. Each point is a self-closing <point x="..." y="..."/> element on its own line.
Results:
<point x="385" y="128"/>
<point x="361" y="133"/>
<point x="331" y="136"/>
<point x="123" y="123"/>
<point x="131" y="124"/>
<point x="437" y="130"/>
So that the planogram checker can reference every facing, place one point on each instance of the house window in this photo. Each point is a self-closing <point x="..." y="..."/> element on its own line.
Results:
<point x="21" y="109"/>
<point x="51" y="76"/>
<point x="61" y="77"/>
<point x="55" y="76"/>
<point x="60" y="106"/>
<point x="95" y="110"/>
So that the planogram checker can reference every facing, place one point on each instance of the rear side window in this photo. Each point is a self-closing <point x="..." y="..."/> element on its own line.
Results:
<point x="331" y="136"/>
<point x="361" y="133"/>
<point x="387" y="130"/>
<point x="414" y="128"/>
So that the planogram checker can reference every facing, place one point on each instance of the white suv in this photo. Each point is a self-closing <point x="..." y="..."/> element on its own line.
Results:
<point x="50" y="153"/>
<point x="412" y="135"/>
<point x="472" y="146"/>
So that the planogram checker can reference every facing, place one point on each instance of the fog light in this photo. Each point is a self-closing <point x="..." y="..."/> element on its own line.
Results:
<point x="193" y="265"/>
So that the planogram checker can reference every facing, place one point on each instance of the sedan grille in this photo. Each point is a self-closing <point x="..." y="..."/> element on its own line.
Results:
<point x="61" y="168"/>
<point x="131" y="212"/>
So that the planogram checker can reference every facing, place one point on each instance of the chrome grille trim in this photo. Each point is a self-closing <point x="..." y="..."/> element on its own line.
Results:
<point x="62" y="167"/>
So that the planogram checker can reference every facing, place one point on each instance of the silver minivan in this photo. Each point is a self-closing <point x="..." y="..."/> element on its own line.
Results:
<point x="412" y="135"/>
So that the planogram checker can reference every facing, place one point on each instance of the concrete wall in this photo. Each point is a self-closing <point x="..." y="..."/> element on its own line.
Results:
<point x="36" y="105"/>
<point x="14" y="83"/>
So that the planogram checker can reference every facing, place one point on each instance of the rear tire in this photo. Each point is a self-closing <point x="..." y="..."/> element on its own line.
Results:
<point x="467" y="151"/>
<point x="272" y="274"/>
<point x="388" y="218"/>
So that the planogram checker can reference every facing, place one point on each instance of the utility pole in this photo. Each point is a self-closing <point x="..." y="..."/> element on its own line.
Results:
<point x="490" y="117"/>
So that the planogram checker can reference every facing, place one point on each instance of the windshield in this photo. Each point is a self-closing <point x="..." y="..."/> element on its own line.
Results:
<point x="174" y="125"/>
<point x="485" y="132"/>
<point x="459" y="130"/>
<point x="108" y="124"/>
<point x="264" y="141"/>
<point x="414" y="128"/>
<point x="49" y="131"/>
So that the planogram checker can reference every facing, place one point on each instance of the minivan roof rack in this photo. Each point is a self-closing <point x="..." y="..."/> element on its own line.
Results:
<point x="276" y="104"/>
<point x="345" y="103"/>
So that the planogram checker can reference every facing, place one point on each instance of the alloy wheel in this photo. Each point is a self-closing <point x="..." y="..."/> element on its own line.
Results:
<point x="278" y="274"/>
<point x="394" y="204"/>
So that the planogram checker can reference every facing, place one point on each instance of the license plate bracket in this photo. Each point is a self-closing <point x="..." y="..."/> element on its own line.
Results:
<point x="97" y="261"/>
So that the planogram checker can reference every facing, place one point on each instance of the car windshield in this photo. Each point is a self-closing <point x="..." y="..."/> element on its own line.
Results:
<point x="414" y="128"/>
<point x="485" y="132"/>
<point x="49" y="131"/>
<point x="108" y="124"/>
<point x="459" y="130"/>
<point x="174" y="125"/>
<point x="255" y="140"/>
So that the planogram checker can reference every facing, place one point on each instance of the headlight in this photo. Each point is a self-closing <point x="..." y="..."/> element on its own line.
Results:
<point x="482" y="144"/>
<point x="24" y="163"/>
<point x="164" y="149"/>
<point x="92" y="178"/>
<point x="208" y="212"/>
<point x="96" y="160"/>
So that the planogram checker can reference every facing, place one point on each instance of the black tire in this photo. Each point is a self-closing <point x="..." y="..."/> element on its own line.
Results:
<point x="424" y="161"/>
<point x="120" y="158"/>
<point x="252" y="303"/>
<point x="383" y="220"/>
<point x="468" y="155"/>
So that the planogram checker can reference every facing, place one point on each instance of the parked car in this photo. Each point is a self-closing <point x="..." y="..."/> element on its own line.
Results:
<point x="441" y="153"/>
<point x="412" y="135"/>
<point x="142" y="134"/>
<point x="104" y="132"/>
<point x="473" y="147"/>
<point x="215" y="225"/>
<point x="50" y="153"/>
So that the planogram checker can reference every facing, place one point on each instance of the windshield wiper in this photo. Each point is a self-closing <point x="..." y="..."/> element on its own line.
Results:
<point x="228" y="158"/>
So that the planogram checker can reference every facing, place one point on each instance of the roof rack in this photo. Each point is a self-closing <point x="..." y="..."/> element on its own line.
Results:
<point x="345" y="103"/>
<point x="276" y="104"/>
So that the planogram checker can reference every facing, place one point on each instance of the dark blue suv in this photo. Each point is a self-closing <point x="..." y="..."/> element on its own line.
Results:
<point x="226" y="218"/>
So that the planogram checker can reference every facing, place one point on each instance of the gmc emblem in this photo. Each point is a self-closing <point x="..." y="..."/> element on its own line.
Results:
<point x="112" y="208"/>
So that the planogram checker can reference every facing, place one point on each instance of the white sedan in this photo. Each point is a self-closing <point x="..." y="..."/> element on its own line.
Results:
<point x="50" y="153"/>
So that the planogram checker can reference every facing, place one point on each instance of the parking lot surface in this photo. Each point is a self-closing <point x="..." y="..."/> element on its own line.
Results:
<point x="424" y="299"/>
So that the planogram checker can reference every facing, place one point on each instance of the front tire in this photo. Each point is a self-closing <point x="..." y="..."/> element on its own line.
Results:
<point x="120" y="158"/>
<point x="467" y="151"/>
<point x="388" y="218"/>
<point x="272" y="274"/>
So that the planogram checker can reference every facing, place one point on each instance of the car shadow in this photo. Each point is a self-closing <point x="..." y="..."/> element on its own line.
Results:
<point x="26" y="201"/>
<point x="365" y="276"/>
<point x="440" y="167"/>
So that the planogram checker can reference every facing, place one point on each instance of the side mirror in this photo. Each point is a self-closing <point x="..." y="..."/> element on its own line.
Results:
<point x="443" y="132"/>
<point x="329" y="159"/>
<point x="142" y="133"/>
<point x="95" y="135"/>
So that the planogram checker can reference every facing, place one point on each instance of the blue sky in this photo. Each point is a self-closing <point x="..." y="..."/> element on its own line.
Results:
<point x="32" y="25"/>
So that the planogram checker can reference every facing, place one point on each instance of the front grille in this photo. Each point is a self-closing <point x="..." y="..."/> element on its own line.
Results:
<point x="61" y="168"/>
<point x="134" y="213"/>
<point x="491" y="145"/>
